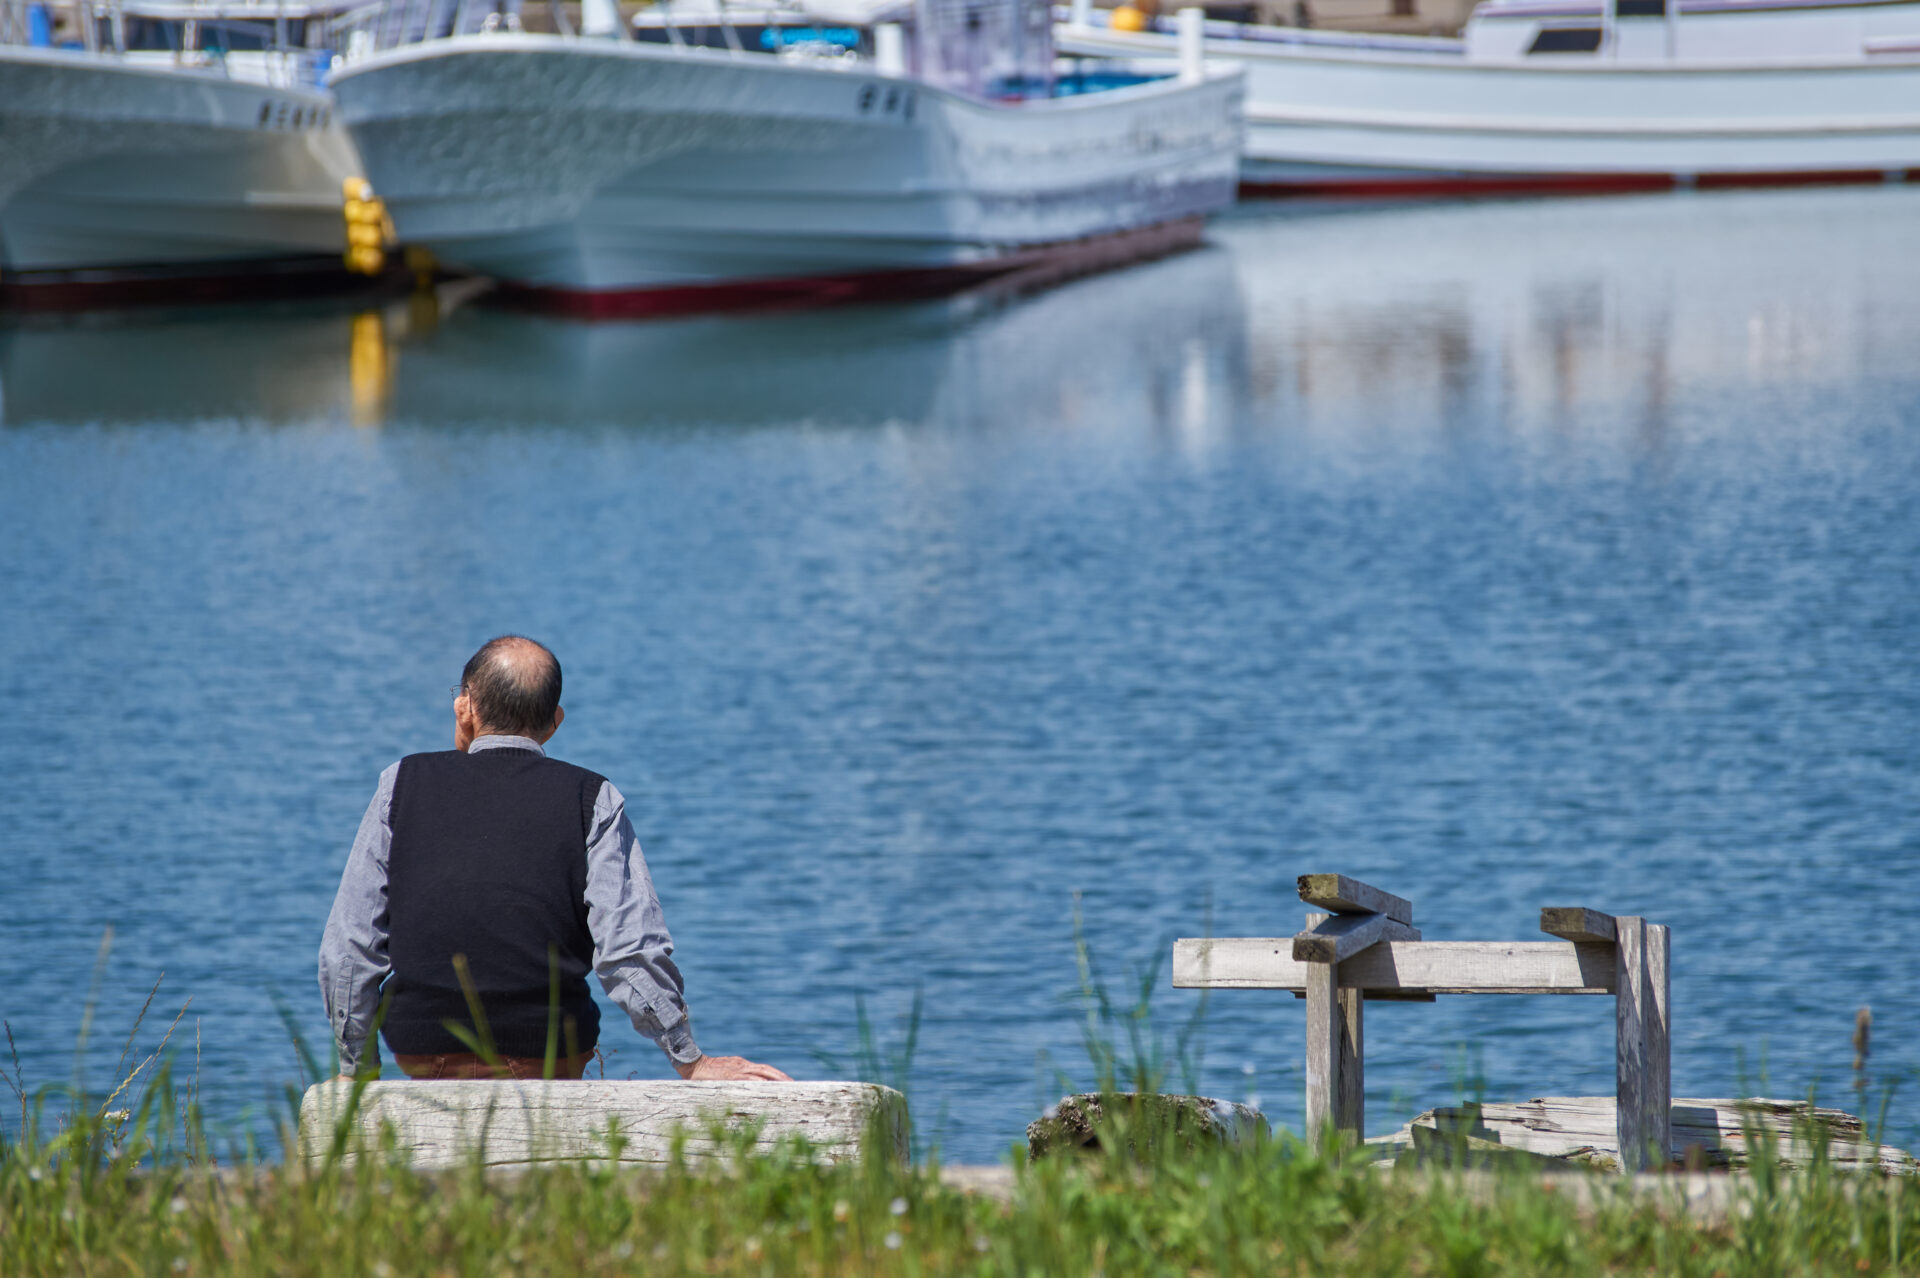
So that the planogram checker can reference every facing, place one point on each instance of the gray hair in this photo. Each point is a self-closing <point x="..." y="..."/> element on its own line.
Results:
<point x="513" y="685"/>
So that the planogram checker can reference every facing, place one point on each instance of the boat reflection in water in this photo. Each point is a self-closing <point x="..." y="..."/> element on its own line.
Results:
<point x="1532" y="316"/>
<point x="1365" y="330"/>
<point x="1086" y="354"/>
<point x="1077" y="356"/>
<point x="277" y="366"/>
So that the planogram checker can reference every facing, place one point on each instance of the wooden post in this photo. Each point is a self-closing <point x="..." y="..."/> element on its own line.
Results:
<point x="1350" y="1091"/>
<point x="1643" y="1068"/>
<point x="1323" y="1049"/>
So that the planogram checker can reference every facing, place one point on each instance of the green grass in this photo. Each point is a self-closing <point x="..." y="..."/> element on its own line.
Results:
<point x="126" y="1180"/>
<point x="143" y="1195"/>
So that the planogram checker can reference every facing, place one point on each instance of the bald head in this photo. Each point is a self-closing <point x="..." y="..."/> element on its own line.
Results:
<point x="512" y="686"/>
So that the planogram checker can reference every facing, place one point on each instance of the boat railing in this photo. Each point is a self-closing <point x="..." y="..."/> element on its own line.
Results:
<point x="16" y="22"/>
<point x="1083" y="14"/>
<point x="34" y="23"/>
<point x="388" y="24"/>
<point x="101" y="27"/>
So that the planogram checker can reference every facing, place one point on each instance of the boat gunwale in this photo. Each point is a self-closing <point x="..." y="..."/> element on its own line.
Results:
<point x="1662" y="128"/>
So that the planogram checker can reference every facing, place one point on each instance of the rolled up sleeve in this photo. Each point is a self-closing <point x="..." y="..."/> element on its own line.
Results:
<point x="353" y="950"/>
<point x="632" y="952"/>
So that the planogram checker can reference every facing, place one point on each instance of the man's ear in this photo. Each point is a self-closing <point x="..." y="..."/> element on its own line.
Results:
<point x="559" y="717"/>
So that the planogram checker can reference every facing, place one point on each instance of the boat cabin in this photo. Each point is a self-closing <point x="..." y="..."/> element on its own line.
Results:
<point x="994" y="49"/>
<point x="814" y="32"/>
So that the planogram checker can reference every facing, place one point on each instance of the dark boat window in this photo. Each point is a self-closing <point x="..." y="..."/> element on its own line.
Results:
<point x="1566" y="40"/>
<point x="765" y="37"/>
<point x="1639" y="8"/>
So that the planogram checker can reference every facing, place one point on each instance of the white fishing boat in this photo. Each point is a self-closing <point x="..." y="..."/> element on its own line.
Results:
<point x="797" y="155"/>
<point x="1571" y="94"/>
<point x="176" y="149"/>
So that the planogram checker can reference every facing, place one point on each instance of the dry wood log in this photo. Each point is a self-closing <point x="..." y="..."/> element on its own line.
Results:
<point x="439" y="1125"/>
<point x="1706" y="1133"/>
<point x="1338" y="894"/>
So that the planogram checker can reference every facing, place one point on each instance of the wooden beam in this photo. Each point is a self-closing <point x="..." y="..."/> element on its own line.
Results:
<point x="1350" y="1090"/>
<point x="1339" y="894"/>
<point x="1577" y="923"/>
<point x="1336" y="939"/>
<point x="1643" y="1062"/>
<point x="1416" y="967"/>
<point x="1323" y="1049"/>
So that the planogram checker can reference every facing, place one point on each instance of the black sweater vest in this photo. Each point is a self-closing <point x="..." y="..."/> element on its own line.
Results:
<point x="489" y="860"/>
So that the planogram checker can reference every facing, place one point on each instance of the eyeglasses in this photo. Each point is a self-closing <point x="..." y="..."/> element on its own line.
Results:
<point x="456" y="690"/>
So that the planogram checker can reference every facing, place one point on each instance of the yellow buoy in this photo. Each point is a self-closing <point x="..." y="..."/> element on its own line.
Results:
<point x="369" y="229"/>
<point x="1127" y="18"/>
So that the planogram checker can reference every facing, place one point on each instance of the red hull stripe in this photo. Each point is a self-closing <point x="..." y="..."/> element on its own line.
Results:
<point x="182" y="284"/>
<point x="1554" y="183"/>
<point x="1018" y="272"/>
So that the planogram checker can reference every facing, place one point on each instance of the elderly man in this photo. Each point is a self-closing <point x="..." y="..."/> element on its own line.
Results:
<point x="492" y="874"/>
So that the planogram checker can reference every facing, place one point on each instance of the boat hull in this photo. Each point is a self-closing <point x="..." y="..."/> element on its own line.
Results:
<point x="580" y="166"/>
<point x="113" y="171"/>
<point x="1327" y="120"/>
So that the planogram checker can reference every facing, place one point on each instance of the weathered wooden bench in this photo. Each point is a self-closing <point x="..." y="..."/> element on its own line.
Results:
<point x="1360" y="944"/>
<point x="441" y="1125"/>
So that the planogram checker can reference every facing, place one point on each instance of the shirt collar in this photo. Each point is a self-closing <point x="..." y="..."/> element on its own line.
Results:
<point x="501" y="741"/>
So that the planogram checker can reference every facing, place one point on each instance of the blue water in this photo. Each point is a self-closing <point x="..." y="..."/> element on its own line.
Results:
<point x="1502" y="555"/>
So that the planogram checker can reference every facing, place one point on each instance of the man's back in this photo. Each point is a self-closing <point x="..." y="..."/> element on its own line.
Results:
<point x="489" y="861"/>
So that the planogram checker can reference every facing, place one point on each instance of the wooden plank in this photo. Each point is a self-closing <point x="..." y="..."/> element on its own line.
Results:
<point x="1712" y="1132"/>
<point x="441" y="1125"/>
<point x="1323" y="1049"/>
<point x="1350" y="1090"/>
<point x="1415" y="967"/>
<point x="1336" y="939"/>
<point x="1643" y="1060"/>
<point x="1341" y="895"/>
<point x="1577" y="923"/>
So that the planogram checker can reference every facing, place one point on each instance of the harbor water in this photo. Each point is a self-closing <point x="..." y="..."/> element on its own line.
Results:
<point x="1502" y="555"/>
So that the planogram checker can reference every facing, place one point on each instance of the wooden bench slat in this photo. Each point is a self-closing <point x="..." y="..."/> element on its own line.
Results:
<point x="1422" y="967"/>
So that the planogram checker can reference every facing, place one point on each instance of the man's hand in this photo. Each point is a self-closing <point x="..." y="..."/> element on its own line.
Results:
<point x="714" y="1068"/>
